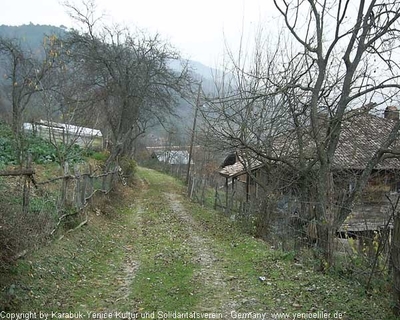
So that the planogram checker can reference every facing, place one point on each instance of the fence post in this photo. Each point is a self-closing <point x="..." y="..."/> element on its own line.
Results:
<point x="203" y="191"/>
<point x="27" y="185"/>
<point x="114" y="177"/>
<point x="216" y="196"/>
<point x="90" y="182"/>
<point x="83" y="190"/>
<point x="77" y="195"/>
<point x="226" y="196"/>
<point x="192" y="187"/>
<point x="64" y="185"/>
<point x="189" y="186"/>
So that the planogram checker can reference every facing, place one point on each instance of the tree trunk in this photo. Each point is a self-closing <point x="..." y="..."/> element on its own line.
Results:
<point x="326" y="235"/>
<point x="325" y="218"/>
<point x="16" y="128"/>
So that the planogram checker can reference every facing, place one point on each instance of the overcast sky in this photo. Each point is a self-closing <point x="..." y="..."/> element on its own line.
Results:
<point x="196" y="27"/>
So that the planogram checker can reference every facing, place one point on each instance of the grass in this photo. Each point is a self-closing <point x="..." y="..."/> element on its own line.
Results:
<point x="164" y="286"/>
<point x="42" y="281"/>
<point x="136" y="254"/>
<point x="164" y="280"/>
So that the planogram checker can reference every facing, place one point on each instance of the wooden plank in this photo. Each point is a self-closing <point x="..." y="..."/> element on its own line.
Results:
<point x="19" y="172"/>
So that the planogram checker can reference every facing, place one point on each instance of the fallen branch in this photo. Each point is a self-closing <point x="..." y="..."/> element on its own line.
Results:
<point x="20" y="254"/>
<point x="95" y="191"/>
<point x="78" y="226"/>
<point x="60" y="220"/>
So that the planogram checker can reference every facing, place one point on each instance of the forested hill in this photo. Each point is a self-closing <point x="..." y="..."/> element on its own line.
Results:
<point x="31" y="35"/>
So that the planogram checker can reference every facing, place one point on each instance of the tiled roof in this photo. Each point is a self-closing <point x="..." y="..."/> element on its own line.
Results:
<point x="360" y="139"/>
<point x="239" y="167"/>
<point x="361" y="136"/>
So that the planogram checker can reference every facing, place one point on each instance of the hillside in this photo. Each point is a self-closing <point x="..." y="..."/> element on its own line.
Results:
<point x="156" y="254"/>
<point x="30" y="35"/>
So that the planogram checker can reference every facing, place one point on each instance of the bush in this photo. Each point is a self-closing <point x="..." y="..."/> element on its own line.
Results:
<point x="129" y="167"/>
<point x="42" y="151"/>
<point x="7" y="155"/>
<point x="20" y="231"/>
<point x="100" y="156"/>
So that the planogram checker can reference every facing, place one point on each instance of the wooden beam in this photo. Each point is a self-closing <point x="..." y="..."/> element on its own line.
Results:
<point x="19" y="172"/>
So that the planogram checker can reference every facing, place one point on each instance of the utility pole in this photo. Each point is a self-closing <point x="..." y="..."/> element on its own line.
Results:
<point x="193" y="133"/>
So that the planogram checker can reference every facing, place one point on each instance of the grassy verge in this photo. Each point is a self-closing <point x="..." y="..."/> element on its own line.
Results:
<point x="269" y="279"/>
<point x="76" y="272"/>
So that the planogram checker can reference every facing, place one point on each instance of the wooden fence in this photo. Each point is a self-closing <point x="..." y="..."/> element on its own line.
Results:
<point x="72" y="190"/>
<point x="200" y="190"/>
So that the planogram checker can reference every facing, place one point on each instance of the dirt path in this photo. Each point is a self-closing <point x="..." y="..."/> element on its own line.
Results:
<point x="131" y="263"/>
<point x="209" y="274"/>
<point x="128" y="273"/>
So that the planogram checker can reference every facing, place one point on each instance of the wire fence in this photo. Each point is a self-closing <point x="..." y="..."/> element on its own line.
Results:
<point x="36" y="209"/>
<point x="75" y="187"/>
<point x="361" y="246"/>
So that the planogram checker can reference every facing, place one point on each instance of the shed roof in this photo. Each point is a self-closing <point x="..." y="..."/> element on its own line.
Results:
<point x="360" y="139"/>
<point x="368" y="217"/>
<point x="362" y="135"/>
<point x="65" y="127"/>
<point x="241" y="166"/>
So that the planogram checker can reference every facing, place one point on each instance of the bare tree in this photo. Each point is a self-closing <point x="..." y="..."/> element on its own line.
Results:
<point x="130" y="75"/>
<point x="24" y="72"/>
<point x="289" y="105"/>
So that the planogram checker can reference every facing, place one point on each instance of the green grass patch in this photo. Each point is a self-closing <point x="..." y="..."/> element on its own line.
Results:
<point x="98" y="155"/>
<point x="165" y="285"/>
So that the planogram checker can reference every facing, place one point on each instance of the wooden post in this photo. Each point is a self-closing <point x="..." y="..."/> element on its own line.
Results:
<point x="193" y="133"/>
<point x="27" y="185"/>
<point x="77" y="195"/>
<point x="115" y="177"/>
<point x="85" y="178"/>
<point x="226" y="196"/>
<point x="203" y="191"/>
<point x="90" y="182"/>
<point x="192" y="187"/>
<point x="64" y="185"/>
<point x="216" y="196"/>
